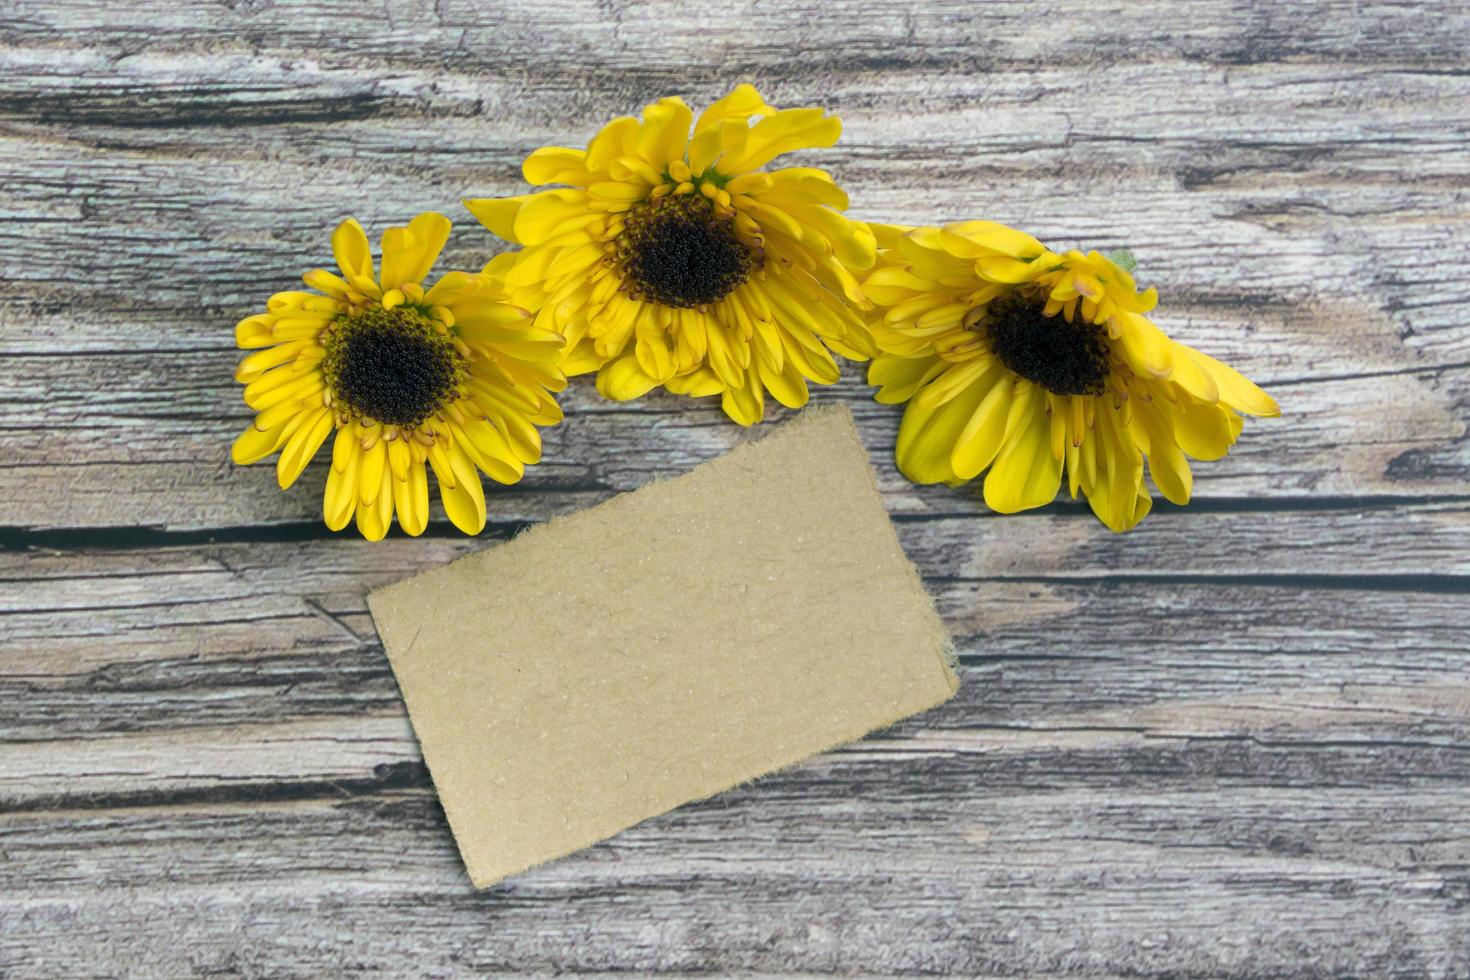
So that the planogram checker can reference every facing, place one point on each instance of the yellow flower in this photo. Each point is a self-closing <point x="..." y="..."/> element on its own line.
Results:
<point x="677" y="261"/>
<point x="450" y="375"/>
<point x="1029" y="362"/>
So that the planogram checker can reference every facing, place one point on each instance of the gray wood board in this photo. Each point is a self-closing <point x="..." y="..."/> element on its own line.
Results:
<point x="1234" y="742"/>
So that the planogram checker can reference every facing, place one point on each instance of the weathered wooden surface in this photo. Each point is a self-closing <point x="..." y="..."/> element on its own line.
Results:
<point x="1234" y="742"/>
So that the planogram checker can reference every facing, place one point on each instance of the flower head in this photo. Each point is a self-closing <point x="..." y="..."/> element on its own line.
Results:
<point x="1030" y="362"/>
<point x="449" y="375"/>
<point x="675" y="259"/>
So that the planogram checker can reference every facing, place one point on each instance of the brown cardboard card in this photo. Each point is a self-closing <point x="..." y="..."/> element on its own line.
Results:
<point x="663" y="646"/>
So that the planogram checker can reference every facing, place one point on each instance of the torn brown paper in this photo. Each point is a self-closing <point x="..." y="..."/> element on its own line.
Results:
<point x="663" y="646"/>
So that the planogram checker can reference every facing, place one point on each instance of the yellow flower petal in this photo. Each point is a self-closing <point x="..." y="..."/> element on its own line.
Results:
<point x="1204" y="431"/>
<point x="550" y="213"/>
<point x="742" y="103"/>
<point x="411" y="499"/>
<point x="1003" y="268"/>
<point x="624" y="379"/>
<point x="524" y="439"/>
<point x="786" y="130"/>
<point x="785" y="384"/>
<point x="974" y="239"/>
<point x="1235" y="391"/>
<point x="252" y="366"/>
<point x="665" y="132"/>
<point x="302" y="446"/>
<point x="614" y="140"/>
<point x="374" y="519"/>
<point x="430" y="232"/>
<point x="809" y="356"/>
<point x="952" y="382"/>
<point x="280" y="384"/>
<point x="399" y="459"/>
<point x="498" y="213"/>
<point x="400" y="252"/>
<point x="254" y="331"/>
<point x="696" y="384"/>
<point x="1116" y="492"/>
<point x="491" y="451"/>
<point x="555" y="165"/>
<point x="255" y="444"/>
<point x="980" y="440"/>
<point x="339" y="499"/>
<point x="350" y="248"/>
<point x="1190" y="375"/>
<point x="370" y="473"/>
<point x="464" y="499"/>
<point x="927" y="436"/>
<point x="745" y="404"/>
<point x="898" y="378"/>
<point x="1166" y="463"/>
<point x="1148" y="350"/>
<point x="1025" y="473"/>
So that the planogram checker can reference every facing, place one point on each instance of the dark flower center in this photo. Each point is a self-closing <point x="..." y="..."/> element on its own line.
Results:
<point x="391" y="365"/>
<point x="675" y="251"/>
<point x="1065" y="358"/>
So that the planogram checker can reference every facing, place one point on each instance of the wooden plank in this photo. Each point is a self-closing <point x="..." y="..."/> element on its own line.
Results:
<point x="1237" y="773"/>
<point x="1232" y="181"/>
<point x="1342" y="719"/>
<point x="1270" y="170"/>
<point x="1371" y="376"/>
<point x="841" y="866"/>
<point x="664" y="41"/>
<point x="111" y="454"/>
<point x="1232" y="606"/>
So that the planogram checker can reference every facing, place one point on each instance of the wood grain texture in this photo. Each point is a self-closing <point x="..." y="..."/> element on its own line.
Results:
<point x="1235" y="742"/>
